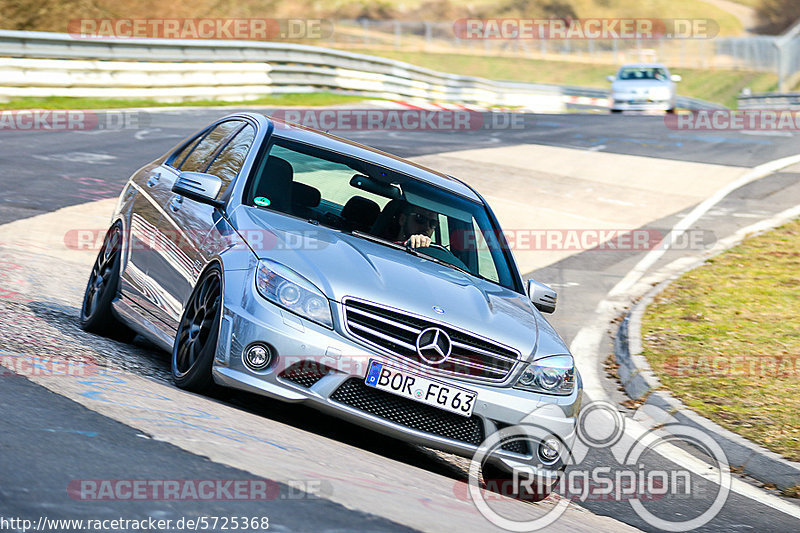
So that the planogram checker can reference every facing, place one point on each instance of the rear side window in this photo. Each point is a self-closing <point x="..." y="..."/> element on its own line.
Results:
<point x="230" y="160"/>
<point x="185" y="151"/>
<point x="200" y="156"/>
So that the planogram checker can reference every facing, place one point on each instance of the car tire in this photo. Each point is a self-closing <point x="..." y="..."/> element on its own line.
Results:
<point x="501" y="481"/>
<point x="197" y="335"/>
<point x="671" y="111"/>
<point x="616" y="111"/>
<point x="96" y="315"/>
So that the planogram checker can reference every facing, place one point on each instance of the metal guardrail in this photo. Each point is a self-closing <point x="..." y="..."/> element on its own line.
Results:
<point x="687" y="102"/>
<point x="54" y="64"/>
<point x="50" y="64"/>
<point x="684" y="102"/>
<point x="770" y="101"/>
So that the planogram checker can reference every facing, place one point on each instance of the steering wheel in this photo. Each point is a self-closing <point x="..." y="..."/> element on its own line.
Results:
<point x="439" y="247"/>
<point x="442" y="253"/>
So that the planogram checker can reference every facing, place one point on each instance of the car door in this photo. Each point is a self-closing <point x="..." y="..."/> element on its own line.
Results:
<point x="186" y="223"/>
<point x="152" y="186"/>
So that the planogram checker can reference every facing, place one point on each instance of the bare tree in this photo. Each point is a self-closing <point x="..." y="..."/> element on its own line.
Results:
<point x="776" y="16"/>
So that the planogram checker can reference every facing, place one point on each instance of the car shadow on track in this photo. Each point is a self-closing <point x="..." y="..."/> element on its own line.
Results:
<point x="59" y="330"/>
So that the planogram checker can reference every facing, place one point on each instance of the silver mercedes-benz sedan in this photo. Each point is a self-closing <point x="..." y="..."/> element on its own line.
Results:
<point x="643" y="87"/>
<point x="290" y="263"/>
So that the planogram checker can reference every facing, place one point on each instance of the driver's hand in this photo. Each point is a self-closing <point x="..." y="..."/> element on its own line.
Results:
<point x="418" y="241"/>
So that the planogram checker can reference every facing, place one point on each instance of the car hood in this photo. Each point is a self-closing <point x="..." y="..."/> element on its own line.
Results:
<point x="343" y="265"/>
<point x="638" y="85"/>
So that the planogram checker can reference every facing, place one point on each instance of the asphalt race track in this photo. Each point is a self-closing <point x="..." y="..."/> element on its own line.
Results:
<point x="127" y="421"/>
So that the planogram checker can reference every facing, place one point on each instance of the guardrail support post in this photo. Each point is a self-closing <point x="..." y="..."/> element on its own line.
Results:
<point x="782" y="44"/>
<point x="781" y="67"/>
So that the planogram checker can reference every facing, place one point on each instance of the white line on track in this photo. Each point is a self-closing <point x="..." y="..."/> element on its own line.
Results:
<point x="627" y="283"/>
<point x="586" y="344"/>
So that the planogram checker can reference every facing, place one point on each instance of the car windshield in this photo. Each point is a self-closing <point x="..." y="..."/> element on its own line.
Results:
<point x="378" y="204"/>
<point x="643" y="73"/>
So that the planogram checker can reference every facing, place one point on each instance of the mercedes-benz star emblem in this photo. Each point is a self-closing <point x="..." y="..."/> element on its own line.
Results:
<point x="434" y="346"/>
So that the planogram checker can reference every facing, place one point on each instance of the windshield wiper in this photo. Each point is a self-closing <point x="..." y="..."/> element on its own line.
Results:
<point x="415" y="252"/>
<point x="379" y="240"/>
<point x="443" y="262"/>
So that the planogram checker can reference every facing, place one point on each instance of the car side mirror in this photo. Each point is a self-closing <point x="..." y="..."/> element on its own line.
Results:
<point x="610" y="78"/>
<point x="675" y="78"/>
<point x="199" y="186"/>
<point x="543" y="297"/>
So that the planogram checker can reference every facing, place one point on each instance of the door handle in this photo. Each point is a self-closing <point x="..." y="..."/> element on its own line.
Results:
<point x="152" y="181"/>
<point x="176" y="203"/>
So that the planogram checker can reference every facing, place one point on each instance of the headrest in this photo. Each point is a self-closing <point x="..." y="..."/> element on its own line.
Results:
<point x="305" y="195"/>
<point x="275" y="183"/>
<point x="360" y="212"/>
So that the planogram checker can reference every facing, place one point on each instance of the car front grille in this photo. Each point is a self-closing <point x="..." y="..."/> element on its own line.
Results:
<point x="409" y="413"/>
<point x="396" y="331"/>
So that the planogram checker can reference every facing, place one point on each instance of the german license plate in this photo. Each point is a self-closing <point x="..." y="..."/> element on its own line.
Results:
<point x="421" y="389"/>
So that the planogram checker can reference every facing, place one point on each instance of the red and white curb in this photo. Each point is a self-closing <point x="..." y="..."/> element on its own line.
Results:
<point x="445" y="106"/>
<point x="586" y="100"/>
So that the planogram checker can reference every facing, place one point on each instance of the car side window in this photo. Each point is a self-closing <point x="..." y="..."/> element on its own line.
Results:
<point x="229" y="161"/>
<point x="486" y="264"/>
<point x="199" y="158"/>
<point x="179" y="157"/>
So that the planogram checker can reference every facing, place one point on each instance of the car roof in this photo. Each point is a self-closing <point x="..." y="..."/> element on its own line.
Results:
<point x="643" y="65"/>
<point x="296" y="132"/>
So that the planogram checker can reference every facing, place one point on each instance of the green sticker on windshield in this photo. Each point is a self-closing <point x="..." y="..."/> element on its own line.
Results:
<point x="262" y="201"/>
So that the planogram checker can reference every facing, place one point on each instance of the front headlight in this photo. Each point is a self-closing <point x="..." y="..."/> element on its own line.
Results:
<point x="549" y="375"/>
<point x="288" y="289"/>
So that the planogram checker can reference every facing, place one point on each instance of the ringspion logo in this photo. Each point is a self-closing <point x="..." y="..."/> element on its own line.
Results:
<point x="623" y="475"/>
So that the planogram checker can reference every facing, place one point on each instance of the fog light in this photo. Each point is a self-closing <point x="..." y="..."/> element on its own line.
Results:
<point x="549" y="450"/>
<point x="257" y="357"/>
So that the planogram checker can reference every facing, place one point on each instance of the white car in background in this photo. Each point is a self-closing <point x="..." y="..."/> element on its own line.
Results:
<point x="643" y="87"/>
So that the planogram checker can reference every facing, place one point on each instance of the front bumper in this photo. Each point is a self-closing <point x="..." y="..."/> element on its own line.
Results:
<point x="338" y="389"/>
<point x="623" y="104"/>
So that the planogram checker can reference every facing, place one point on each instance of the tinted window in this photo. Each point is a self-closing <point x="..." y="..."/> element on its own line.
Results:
<point x="642" y="73"/>
<point x="183" y="152"/>
<point x="199" y="158"/>
<point x="360" y="197"/>
<point x="230" y="160"/>
<point x="331" y="178"/>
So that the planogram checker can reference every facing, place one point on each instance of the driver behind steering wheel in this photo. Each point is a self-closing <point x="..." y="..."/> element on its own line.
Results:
<point x="417" y="225"/>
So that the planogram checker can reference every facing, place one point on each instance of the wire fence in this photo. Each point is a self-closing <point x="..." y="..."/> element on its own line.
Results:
<point x="756" y="53"/>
